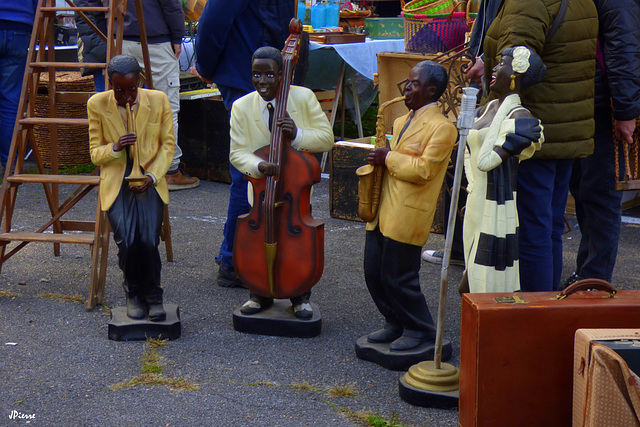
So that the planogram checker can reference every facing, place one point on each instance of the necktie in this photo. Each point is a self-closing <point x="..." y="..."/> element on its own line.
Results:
<point x="406" y="125"/>
<point x="270" y="109"/>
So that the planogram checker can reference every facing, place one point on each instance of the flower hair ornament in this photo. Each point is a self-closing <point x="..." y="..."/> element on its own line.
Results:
<point x="520" y="63"/>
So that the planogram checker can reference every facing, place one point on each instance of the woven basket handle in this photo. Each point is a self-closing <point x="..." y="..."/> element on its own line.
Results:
<point x="585" y="284"/>
<point x="467" y="9"/>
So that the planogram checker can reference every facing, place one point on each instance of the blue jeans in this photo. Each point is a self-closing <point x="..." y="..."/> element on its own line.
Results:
<point x="597" y="204"/>
<point x="98" y="81"/>
<point x="238" y="203"/>
<point x="543" y="186"/>
<point x="14" y="46"/>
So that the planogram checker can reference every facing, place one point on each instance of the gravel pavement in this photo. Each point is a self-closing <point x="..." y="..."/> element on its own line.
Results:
<point x="57" y="367"/>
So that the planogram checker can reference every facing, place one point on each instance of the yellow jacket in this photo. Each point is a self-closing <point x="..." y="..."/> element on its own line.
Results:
<point x="415" y="169"/>
<point x="156" y="143"/>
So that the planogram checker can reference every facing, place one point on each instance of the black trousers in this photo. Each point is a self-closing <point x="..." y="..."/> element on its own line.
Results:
<point x="136" y="220"/>
<point x="391" y="271"/>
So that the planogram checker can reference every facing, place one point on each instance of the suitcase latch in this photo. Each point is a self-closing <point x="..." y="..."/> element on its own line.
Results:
<point x="515" y="299"/>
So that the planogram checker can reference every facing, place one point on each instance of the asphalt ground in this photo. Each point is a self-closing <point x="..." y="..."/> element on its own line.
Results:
<point x="58" y="368"/>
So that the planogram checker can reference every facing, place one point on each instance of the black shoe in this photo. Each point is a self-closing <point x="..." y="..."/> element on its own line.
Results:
<point x="405" y="343"/>
<point x="255" y="305"/>
<point x="303" y="310"/>
<point x="157" y="313"/>
<point x="384" y="335"/>
<point x="227" y="278"/>
<point x="136" y="307"/>
<point x="570" y="281"/>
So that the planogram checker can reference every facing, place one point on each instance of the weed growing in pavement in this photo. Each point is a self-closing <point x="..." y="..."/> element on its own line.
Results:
<point x="348" y="390"/>
<point x="368" y="418"/>
<point x="375" y="420"/>
<point x="70" y="298"/>
<point x="152" y="369"/>
<point x="9" y="294"/>
<point x="303" y="386"/>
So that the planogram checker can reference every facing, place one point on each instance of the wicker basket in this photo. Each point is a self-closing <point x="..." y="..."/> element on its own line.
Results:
<point x="430" y="7"/>
<point x="73" y="141"/>
<point x="432" y="34"/>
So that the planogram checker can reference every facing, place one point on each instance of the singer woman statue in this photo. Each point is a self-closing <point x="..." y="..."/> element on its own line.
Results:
<point x="504" y="134"/>
<point x="129" y="126"/>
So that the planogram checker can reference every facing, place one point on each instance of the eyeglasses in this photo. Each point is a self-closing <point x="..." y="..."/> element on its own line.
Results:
<point x="402" y="85"/>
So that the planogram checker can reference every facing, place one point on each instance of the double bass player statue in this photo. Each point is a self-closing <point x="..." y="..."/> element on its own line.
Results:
<point x="280" y="247"/>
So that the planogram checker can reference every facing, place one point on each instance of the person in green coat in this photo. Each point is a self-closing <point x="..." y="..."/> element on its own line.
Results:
<point x="563" y="101"/>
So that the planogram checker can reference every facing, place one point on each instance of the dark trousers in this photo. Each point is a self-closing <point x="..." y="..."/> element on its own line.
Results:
<point x="391" y="271"/>
<point x="136" y="220"/>
<point x="597" y="204"/>
<point x="238" y="203"/>
<point x="14" y="46"/>
<point x="457" y="244"/>
<point x="543" y="186"/>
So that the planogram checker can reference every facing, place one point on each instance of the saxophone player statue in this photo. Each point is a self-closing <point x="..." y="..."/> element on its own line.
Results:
<point x="414" y="164"/>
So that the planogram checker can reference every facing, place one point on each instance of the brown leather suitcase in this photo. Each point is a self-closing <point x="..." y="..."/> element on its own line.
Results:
<point x="516" y="356"/>
<point x="605" y="389"/>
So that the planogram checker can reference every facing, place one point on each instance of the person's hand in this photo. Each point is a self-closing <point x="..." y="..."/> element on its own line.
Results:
<point x="177" y="48"/>
<point x="197" y="74"/>
<point x="288" y="126"/>
<point x="623" y="129"/>
<point x="476" y="71"/>
<point x="377" y="156"/>
<point x="268" y="169"/>
<point x="126" y="140"/>
<point x="142" y="187"/>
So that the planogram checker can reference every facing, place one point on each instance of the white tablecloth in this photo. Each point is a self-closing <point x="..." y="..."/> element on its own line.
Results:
<point x="362" y="56"/>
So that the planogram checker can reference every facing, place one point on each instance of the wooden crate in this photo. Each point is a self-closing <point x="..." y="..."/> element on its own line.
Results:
<point x="346" y="157"/>
<point x="394" y="67"/>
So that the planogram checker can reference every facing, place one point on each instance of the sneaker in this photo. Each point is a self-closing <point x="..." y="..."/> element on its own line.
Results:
<point x="570" y="281"/>
<point x="435" y="257"/>
<point x="227" y="278"/>
<point x="179" y="180"/>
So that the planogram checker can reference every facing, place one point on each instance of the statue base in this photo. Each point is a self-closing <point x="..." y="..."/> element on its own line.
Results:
<point x="123" y="328"/>
<point x="278" y="321"/>
<point x="380" y="354"/>
<point x="427" y="399"/>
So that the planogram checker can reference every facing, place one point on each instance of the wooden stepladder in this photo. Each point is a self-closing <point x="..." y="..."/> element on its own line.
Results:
<point x="41" y="59"/>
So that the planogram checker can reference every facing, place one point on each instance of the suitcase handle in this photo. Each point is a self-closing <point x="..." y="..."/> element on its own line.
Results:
<point x="586" y="284"/>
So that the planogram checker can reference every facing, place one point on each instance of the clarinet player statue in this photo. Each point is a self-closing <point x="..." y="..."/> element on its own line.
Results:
<point x="131" y="139"/>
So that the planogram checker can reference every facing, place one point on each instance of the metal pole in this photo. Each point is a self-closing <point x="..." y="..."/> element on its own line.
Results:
<point x="465" y="122"/>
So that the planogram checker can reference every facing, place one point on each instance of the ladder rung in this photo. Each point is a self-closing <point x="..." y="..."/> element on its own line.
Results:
<point x="75" y="9"/>
<point x="54" y="121"/>
<point x="23" y="236"/>
<point x="55" y="179"/>
<point x="71" y="225"/>
<point x="45" y="64"/>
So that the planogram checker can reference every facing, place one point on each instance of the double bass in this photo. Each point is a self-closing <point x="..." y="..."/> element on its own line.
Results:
<point x="279" y="247"/>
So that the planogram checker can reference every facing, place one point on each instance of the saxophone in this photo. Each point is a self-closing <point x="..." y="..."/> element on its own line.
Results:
<point x="370" y="177"/>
